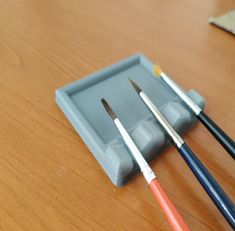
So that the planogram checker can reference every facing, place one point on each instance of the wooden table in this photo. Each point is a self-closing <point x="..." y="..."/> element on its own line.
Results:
<point x="49" y="179"/>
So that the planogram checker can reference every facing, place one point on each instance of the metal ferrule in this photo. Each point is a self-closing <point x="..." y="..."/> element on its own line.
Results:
<point x="169" y="129"/>
<point x="181" y="94"/>
<point x="144" y="167"/>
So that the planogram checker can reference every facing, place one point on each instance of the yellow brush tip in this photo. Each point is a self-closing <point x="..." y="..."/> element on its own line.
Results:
<point x="157" y="69"/>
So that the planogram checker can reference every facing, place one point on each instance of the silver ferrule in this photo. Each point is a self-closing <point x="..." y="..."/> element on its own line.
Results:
<point x="144" y="167"/>
<point x="181" y="94"/>
<point x="169" y="129"/>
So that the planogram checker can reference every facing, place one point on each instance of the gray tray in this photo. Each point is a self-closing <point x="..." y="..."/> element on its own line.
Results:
<point x="80" y="102"/>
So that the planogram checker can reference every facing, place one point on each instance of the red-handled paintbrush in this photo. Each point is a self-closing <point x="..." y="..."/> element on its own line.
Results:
<point x="174" y="218"/>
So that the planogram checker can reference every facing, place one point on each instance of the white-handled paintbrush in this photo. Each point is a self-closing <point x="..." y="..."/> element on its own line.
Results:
<point x="214" y="129"/>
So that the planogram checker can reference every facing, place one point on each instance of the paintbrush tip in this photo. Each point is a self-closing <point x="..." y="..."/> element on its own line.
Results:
<point x="157" y="69"/>
<point x="108" y="109"/>
<point x="137" y="88"/>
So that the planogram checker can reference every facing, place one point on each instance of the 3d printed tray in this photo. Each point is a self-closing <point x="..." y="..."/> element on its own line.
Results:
<point x="80" y="102"/>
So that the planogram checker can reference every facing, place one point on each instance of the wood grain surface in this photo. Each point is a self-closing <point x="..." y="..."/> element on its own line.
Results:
<point x="48" y="178"/>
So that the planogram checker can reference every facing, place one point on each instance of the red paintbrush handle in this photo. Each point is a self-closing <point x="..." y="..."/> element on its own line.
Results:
<point x="174" y="218"/>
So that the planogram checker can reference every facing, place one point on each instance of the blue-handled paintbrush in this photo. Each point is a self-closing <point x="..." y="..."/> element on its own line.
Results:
<point x="207" y="181"/>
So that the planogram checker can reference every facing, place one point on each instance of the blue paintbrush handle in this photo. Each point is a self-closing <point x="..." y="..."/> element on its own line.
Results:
<point x="213" y="189"/>
<point x="218" y="133"/>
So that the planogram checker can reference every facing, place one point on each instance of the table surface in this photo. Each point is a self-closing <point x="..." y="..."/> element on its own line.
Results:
<point x="48" y="178"/>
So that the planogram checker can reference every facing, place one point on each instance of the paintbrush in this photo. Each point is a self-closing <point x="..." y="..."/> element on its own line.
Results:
<point x="213" y="189"/>
<point x="174" y="218"/>
<point x="214" y="129"/>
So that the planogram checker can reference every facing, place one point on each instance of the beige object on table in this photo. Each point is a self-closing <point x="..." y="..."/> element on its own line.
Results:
<point x="226" y="21"/>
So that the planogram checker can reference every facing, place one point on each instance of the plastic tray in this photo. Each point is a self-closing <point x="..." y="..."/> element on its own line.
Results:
<point x="80" y="102"/>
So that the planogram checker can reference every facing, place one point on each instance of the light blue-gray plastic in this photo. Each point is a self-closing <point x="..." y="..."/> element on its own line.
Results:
<point x="80" y="102"/>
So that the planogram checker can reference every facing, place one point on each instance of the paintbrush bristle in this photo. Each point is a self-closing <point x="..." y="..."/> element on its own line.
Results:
<point x="108" y="109"/>
<point x="137" y="88"/>
<point x="157" y="69"/>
